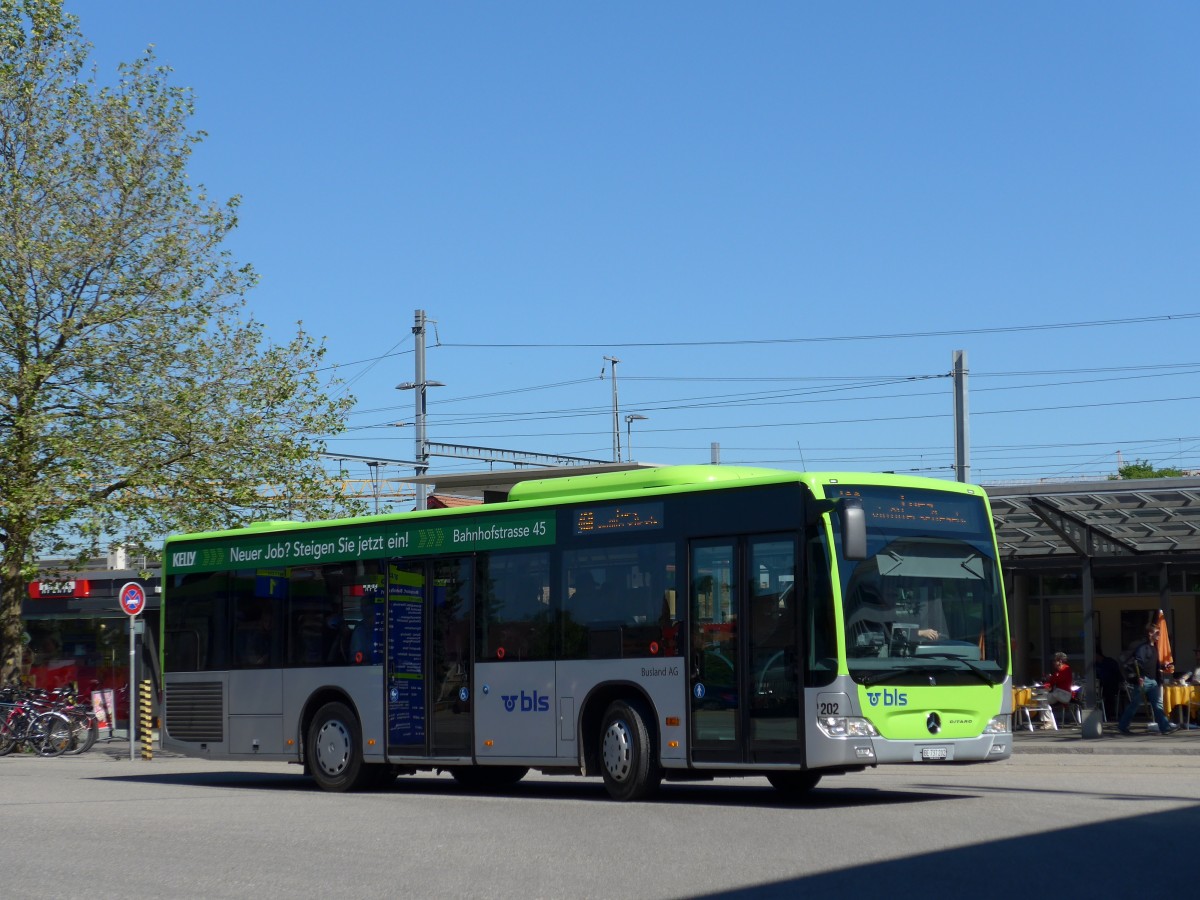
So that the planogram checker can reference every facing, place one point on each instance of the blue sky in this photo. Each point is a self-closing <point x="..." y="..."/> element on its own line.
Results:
<point x="783" y="219"/>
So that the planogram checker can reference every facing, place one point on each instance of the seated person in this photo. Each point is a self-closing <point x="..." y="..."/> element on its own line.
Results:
<point x="1192" y="677"/>
<point x="1060" y="685"/>
<point x="931" y="619"/>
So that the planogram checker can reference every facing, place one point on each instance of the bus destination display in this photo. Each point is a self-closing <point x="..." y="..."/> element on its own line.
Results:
<point x="914" y="508"/>
<point x="597" y="520"/>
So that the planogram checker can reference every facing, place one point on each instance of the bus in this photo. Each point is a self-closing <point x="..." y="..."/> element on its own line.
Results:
<point x="676" y="623"/>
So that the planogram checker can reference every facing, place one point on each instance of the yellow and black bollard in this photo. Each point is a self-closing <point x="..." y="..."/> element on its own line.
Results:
<point x="146" y="719"/>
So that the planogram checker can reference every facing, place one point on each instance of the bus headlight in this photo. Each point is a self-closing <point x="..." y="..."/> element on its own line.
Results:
<point x="846" y="726"/>
<point x="998" y="725"/>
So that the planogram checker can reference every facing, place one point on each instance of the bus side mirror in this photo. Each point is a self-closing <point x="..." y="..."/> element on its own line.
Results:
<point x="854" y="528"/>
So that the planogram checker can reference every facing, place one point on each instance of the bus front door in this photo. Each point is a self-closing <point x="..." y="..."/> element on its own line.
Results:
<point x="429" y="657"/>
<point x="745" y="680"/>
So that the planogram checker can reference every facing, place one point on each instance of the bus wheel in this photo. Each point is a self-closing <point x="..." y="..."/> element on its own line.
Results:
<point x="334" y="754"/>
<point x="794" y="785"/>
<point x="488" y="778"/>
<point x="626" y="755"/>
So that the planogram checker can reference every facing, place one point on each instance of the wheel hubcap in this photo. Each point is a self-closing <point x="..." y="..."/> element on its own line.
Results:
<point x="333" y="747"/>
<point x="618" y="751"/>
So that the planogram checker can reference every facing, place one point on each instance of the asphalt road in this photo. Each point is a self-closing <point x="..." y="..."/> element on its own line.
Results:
<point x="1039" y="825"/>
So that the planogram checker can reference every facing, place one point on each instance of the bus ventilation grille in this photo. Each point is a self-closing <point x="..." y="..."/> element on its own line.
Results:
<point x="195" y="712"/>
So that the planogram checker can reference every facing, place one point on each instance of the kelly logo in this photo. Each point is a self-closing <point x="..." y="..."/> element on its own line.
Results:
<point x="888" y="698"/>
<point x="535" y="703"/>
<point x="184" y="559"/>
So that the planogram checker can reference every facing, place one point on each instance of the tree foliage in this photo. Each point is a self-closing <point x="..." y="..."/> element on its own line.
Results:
<point x="1142" y="468"/>
<point x="136" y="396"/>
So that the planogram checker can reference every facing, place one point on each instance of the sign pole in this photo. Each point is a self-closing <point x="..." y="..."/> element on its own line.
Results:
<point x="132" y="689"/>
<point x="133" y="601"/>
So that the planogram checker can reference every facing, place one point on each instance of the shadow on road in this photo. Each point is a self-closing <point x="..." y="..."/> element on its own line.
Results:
<point x="1152" y="853"/>
<point x="726" y="793"/>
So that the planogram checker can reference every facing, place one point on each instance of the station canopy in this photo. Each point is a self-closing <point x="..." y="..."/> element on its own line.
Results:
<point x="1153" y="519"/>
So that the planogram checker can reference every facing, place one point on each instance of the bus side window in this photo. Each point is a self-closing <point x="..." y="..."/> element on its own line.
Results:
<point x="307" y="638"/>
<point x="514" y="609"/>
<point x="255" y="639"/>
<point x="617" y="602"/>
<point x="197" y="631"/>
<point x="363" y="640"/>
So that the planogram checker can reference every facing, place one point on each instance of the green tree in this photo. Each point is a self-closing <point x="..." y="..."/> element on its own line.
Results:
<point x="1141" y="468"/>
<point x="136" y="396"/>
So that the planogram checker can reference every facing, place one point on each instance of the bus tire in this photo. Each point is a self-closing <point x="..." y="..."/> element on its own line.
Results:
<point x="626" y="752"/>
<point x="794" y="785"/>
<point x="334" y="749"/>
<point x="488" y="778"/>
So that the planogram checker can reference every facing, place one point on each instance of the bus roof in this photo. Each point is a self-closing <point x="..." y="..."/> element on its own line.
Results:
<point x="641" y="480"/>
<point x="616" y="484"/>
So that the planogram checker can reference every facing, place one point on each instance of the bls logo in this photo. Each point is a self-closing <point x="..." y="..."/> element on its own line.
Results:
<point x="536" y="703"/>
<point x="889" y="698"/>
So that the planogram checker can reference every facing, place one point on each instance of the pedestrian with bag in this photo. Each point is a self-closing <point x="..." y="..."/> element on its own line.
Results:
<point x="1148" y="680"/>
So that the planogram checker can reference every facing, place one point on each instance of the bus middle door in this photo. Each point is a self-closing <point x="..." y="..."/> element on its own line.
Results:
<point x="428" y="666"/>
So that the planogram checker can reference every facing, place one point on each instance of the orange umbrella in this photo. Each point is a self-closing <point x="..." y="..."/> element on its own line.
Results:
<point x="1165" y="659"/>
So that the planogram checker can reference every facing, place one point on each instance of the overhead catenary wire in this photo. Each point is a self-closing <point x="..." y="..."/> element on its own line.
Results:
<point x="960" y="332"/>
<point x="907" y="394"/>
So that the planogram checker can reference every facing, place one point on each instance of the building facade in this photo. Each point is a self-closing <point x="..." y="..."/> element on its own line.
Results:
<point x="76" y="633"/>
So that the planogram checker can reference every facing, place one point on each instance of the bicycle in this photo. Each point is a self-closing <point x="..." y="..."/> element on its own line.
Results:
<point x="46" y="733"/>
<point x="85" y="729"/>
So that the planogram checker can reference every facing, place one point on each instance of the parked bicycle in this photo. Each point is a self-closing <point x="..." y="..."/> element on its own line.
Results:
<point x="85" y="729"/>
<point x="47" y="732"/>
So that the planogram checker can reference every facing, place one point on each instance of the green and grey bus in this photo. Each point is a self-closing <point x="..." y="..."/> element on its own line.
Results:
<point x="678" y="623"/>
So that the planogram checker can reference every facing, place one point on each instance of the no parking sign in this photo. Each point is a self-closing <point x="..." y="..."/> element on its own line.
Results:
<point x="133" y="598"/>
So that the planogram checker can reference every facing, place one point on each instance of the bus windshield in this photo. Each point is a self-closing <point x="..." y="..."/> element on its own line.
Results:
<point x="927" y="600"/>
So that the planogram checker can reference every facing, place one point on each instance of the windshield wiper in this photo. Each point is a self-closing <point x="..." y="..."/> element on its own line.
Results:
<point x="973" y="561"/>
<point x="966" y="662"/>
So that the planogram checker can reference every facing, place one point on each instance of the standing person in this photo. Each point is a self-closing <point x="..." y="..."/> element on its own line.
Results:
<point x="1108" y="676"/>
<point x="1060" y="685"/>
<point x="1149" y="684"/>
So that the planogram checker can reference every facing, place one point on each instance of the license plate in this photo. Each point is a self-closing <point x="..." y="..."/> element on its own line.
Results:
<point x="933" y="753"/>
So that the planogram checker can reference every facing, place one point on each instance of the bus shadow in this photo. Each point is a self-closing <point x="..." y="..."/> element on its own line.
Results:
<point x="259" y="781"/>
<point x="710" y="794"/>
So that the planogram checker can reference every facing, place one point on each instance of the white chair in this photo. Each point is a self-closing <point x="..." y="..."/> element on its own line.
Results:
<point x="1039" y="702"/>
